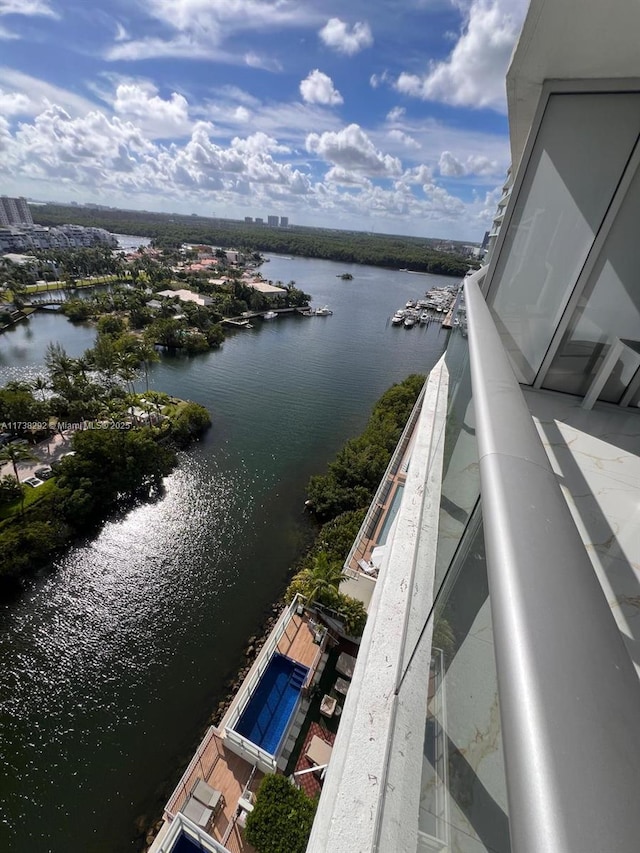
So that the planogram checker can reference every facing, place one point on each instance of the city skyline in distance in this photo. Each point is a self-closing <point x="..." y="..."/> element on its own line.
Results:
<point x="382" y="119"/>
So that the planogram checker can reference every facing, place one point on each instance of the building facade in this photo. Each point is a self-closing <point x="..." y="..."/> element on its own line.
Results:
<point x="14" y="211"/>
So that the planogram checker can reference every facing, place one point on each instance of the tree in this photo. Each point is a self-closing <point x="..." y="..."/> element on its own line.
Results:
<point x="321" y="580"/>
<point x="15" y="453"/>
<point x="282" y="817"/>
<point x="40" y="384"/>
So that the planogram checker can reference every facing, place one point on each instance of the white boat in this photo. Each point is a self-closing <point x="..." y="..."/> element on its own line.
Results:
<point x="270" y="315"/>
<point x="325" y="311"/>
<point x="424" y="317"/>
<point x="398" y="318"/>
<point x="409" y="322"/>
<point x="411" y="304"/>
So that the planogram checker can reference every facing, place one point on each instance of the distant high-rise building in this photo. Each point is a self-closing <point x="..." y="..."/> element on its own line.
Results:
<point x="272" y="220"/>
<point x="248" y="219"/>
<point x="284" y="221"/>
<point x="14" y="211"/>
<point x="259" y="220"/>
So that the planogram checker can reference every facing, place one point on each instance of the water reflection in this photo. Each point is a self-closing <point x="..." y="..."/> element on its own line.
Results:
<point x="111" y="664"/>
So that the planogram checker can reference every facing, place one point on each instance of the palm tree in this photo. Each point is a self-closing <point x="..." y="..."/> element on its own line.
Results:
<point x="322" y="579"/>
<point x="15" y="453"/>
<point x="40" y="384"/>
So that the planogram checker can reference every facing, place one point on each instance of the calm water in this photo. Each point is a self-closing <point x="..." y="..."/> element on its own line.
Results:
<point x="112" y="661"/>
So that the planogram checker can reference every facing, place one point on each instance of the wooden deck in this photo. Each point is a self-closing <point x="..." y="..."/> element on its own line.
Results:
<point x="226" y="772"/>
<point x="297" y="642"/>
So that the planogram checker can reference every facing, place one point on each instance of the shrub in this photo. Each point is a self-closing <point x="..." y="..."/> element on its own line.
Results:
<point x="281" y="819"/>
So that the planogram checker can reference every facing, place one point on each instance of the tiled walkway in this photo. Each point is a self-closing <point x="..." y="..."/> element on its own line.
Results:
<point x="310" y="782"/>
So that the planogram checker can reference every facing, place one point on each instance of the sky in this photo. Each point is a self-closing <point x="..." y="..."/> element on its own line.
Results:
<point x="377" y="115"/>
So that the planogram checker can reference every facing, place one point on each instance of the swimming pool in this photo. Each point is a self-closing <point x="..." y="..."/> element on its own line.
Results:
<point x="391" y="514"/>
<point x="267" y="714"/>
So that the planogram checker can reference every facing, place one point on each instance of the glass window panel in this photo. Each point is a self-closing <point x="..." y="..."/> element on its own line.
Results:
<point x="461" y="474"/>
<point x="580" y="153"/>
<point x="608" y="309"/>
<point x="463" y="799"/>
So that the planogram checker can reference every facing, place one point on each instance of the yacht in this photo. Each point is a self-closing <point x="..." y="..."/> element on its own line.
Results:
<point x="325" y="311"/>
<point x="398" y="317"/>
<point x="270" y="315"/>
<point x="409" y="322"/>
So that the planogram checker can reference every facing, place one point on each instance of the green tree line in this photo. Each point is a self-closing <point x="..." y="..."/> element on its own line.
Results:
<point x="384" y="250"/>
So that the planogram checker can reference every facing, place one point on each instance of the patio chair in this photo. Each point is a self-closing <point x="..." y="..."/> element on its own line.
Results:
<point x="197" y="812"/>
<point x="207" y="795"/>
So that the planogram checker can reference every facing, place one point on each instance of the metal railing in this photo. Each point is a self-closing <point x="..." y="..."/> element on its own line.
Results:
<point x="569" y="694"/>
<point x="181" y="787"/>
<point x="182" y="826"/>
<point x="262" y="661"/>
<point x="371" y="519"/>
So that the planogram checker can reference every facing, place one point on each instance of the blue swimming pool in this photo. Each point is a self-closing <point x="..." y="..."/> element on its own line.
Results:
<point x="266" y="717"/>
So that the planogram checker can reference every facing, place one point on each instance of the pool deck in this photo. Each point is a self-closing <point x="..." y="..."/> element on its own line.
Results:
<point x="226" y="772"/>
<point x="297" y="641"/>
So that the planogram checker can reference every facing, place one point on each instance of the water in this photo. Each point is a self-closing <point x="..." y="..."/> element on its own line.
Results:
<point x="112" y="662"/>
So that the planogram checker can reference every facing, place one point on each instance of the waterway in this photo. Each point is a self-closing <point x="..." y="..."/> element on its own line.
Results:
<point x="112" y="660"/>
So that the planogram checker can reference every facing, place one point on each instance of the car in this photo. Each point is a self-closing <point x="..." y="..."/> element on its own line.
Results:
<point x="4" y="438"/>
<point x="34" y="482"/>
<point x="44" y="473"/>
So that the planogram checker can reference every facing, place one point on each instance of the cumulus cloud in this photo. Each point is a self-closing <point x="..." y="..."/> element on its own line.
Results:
<point x="351" y="149"/>
<point x="473" y="75"/>
<point x="318" y="88"/>
<point x="41" y="93"/>
<point x="403" y="138"/>
<point x="14" y="104"/>
<point x="450" y="166"/>
<point x="160" y="118"/>
<point x="337" y="35"/>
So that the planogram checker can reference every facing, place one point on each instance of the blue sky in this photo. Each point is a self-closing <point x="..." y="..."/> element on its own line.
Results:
<point x="387" y="115"/>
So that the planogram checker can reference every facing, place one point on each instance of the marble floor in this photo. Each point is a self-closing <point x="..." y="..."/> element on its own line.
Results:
<point x="596" y="457"/>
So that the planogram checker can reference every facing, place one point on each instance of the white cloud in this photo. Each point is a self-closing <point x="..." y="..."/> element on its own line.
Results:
<point x="14" y="104"/>
<point x="376" y="80"/>
<point x="396" y="114"/>
<point x="266" y="63"/>
<point x="403" y="138"/>
<point x="318" y="88"/>
<point x="7" y="35"/>
<point x="41" y="94"/>
<point x="198" y="29"/>
<point x="450" y="166"/>
<point x="479" y="165"/>
<point x="27" y="7"/>
<point x="121" y="32"/>
<point x="418" y="175"/>
<point x="337" y="35"/>
<point x="352" y="149"/>
<point x="474" y="73"/>
<point x="142" y="105"/>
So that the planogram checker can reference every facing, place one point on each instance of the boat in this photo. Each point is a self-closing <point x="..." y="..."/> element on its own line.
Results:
<point x="409" y="322"/>
<point x="411" y="304"/>
<point x="270" y="315"/>
<point x="424" y="317"/>
<point x="325" y="311"/>
<point x="398" y="318"/>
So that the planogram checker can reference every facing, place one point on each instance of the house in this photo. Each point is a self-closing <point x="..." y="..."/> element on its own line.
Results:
<point x="187" y="296"/>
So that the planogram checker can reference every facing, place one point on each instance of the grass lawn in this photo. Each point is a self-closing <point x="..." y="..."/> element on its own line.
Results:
<point x="31" y="497"/>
